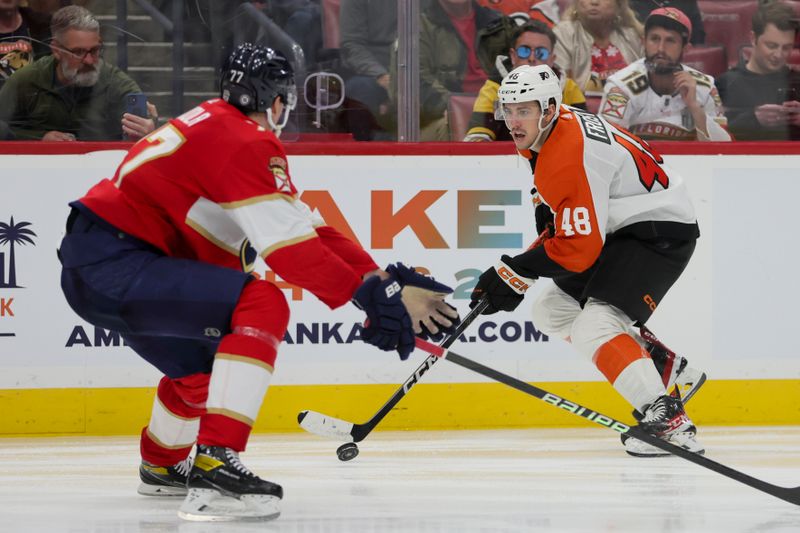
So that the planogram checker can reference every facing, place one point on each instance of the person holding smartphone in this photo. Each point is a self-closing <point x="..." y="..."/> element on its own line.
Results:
<point x="762" y="96"/>
<point x="74" y="94"/>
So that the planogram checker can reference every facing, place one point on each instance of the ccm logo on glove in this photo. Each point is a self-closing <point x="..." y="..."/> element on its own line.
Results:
<point x="517" y="283"/>
<point x="512" y="279"/>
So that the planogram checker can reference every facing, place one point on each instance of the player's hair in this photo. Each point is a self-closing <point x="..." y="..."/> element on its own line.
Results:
<point x="534" y="26"/>
<point x="72" y="18"/>
<point x="779" y="14"/>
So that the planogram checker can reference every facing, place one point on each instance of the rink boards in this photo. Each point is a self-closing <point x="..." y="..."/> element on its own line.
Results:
<point x="454" y="211"/>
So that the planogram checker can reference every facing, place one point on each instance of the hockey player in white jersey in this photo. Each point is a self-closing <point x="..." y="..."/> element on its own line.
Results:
<point x="624" y="230"/>
<point x="658" y="97"/>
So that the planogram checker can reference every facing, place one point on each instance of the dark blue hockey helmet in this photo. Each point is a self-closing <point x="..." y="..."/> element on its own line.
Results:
<point x="253" y="76"/>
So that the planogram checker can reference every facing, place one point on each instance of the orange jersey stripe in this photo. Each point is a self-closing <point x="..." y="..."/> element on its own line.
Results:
<point x="614" y="356"/>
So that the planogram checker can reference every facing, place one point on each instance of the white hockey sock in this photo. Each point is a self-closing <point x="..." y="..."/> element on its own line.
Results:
<point x="640" y="384"/>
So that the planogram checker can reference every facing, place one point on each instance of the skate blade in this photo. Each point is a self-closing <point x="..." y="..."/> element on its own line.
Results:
<point x="208" y="505"/>
<point x="146" y="489"/>
<point x="689" y="382"/>
<point x="637" y="448"/>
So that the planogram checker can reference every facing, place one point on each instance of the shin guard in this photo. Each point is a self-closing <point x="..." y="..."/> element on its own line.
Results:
<point x="175" y="419"/>
<point x="243" y="366"/>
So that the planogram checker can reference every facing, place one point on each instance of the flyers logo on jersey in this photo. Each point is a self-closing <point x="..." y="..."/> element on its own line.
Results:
<point x="512" y="279"/>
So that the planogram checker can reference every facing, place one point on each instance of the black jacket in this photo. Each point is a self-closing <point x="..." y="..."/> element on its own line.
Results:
<point x="742" y="91"/>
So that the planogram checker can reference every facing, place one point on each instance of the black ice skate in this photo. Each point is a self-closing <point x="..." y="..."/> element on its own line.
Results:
<point x="164" y="480"/>
<point x="222" y="488"/>
<point x="680" y="380"/>
<point x="665" y="419"/>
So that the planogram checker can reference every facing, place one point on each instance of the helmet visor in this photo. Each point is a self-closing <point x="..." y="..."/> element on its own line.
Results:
<point x="521" y="111"/>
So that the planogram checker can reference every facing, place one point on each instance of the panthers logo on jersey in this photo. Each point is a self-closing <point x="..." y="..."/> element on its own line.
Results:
<point x="13" y="57"/>
<point x="247" y="256"/>
<point x="277" y="165"/>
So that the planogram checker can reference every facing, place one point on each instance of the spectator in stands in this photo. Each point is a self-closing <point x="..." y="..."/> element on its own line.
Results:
<point x="762" y="96"/>
<point x="23" y="35"/>
<point x="658" y="97"/>
<point x="301" y="20"/>
<point x="596" y="38"/>
<point x="51" y="6"/>
<point x="642" y="8"/>
<point x="547" y="11"/>
<point x="448" y="62"/>
<point x="73" y="94"/>
<point x="531" y="44"/>
<point x="368" y="28"/>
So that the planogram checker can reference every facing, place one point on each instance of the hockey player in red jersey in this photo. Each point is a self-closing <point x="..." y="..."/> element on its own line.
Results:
<point x="162" y="253"/>
<point x="623" y="230"/>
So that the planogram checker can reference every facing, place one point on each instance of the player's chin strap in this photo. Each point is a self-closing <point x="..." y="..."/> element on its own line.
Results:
<point x="277" y="128"/>
<point x="544" y="129"/>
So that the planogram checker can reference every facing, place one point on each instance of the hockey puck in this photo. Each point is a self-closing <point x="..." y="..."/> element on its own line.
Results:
<point x="347" y="452"/>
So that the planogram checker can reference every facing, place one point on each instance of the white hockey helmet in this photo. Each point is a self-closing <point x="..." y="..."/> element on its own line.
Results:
<point x="528" y="83"/>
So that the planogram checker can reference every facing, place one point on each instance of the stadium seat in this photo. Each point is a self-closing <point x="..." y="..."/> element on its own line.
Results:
<point x="707" y="59"/>
<point x="330" y="23"/>
<point x="459" y="111"/>
<point x="794" y="59"/>
<point x="728" y="23"/>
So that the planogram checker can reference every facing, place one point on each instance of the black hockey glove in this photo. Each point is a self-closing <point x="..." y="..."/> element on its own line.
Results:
<point x="543" y="215"/>
<point x="388" y="324"/>
<point x="504" y="288"/>
<point x="423" y="297"/>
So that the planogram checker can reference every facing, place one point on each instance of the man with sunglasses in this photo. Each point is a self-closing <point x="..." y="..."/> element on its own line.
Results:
<point x="73" y="94"/>
<point x="531" y="44"/>
<point x="658" y="97"/>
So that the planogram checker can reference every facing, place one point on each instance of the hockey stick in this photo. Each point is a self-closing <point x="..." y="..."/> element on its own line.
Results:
<point x="338" y="429"/>
<point x="791" y="495"/>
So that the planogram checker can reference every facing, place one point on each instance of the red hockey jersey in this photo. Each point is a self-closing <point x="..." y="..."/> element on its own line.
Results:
<point x="212" y="185"/>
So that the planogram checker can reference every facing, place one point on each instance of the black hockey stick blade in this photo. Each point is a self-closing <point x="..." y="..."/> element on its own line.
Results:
<point x="791" y="495"/>
<point x="338" y="429"/>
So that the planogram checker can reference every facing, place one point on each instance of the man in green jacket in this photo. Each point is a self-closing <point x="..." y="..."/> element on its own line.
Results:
<point x="73" y="94"/>
<point x="448" y="62"/>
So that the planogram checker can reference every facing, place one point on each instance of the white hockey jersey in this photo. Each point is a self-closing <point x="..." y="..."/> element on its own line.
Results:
<point x="599" y="179"/>
<point x="629" y="101"/>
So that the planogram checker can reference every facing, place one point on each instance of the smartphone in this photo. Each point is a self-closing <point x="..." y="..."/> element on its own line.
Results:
<point x="786" y="94"/>
<point x="136" y="104"/>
